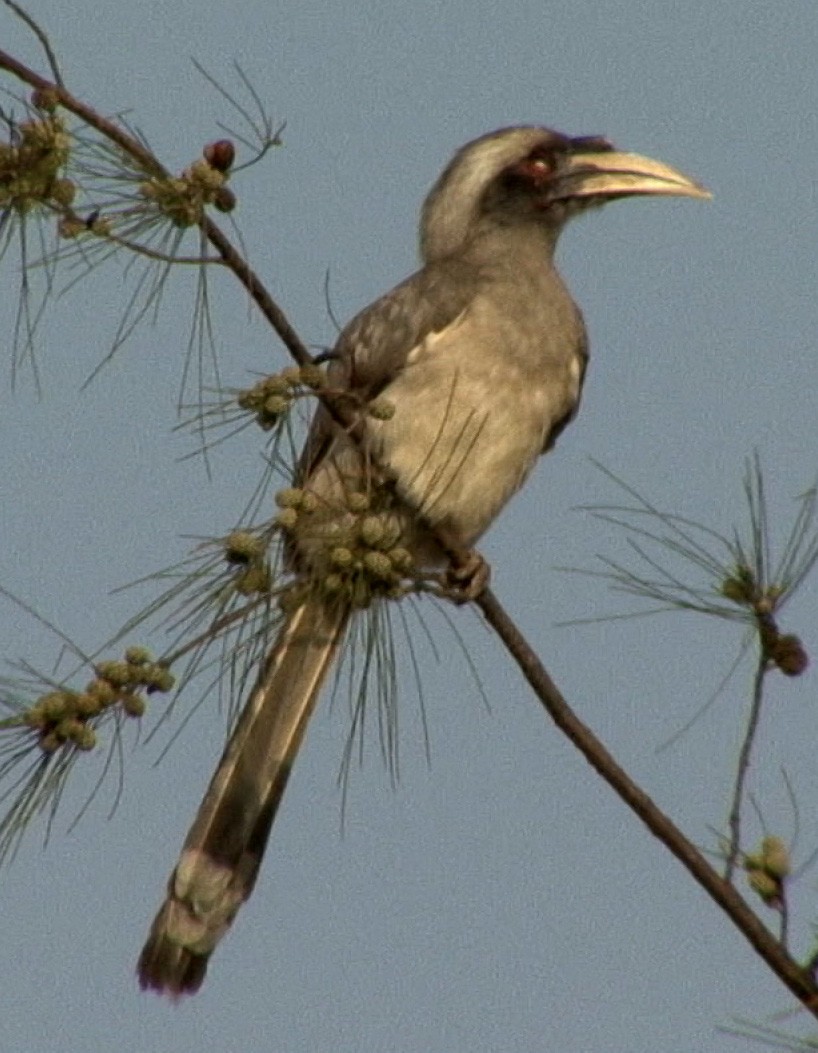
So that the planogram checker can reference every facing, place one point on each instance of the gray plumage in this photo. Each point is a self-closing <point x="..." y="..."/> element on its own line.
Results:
<point x="482" y="354"/>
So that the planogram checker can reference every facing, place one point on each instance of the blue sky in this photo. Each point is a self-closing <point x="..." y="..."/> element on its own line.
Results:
<point x="502" y="898"/>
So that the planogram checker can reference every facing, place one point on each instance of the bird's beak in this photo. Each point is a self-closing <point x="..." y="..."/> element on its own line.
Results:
<point x="608" y="173"/>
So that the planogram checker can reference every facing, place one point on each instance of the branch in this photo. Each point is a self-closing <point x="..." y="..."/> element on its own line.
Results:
<point x="797" y="979"/>
<point x="743" y="766"/>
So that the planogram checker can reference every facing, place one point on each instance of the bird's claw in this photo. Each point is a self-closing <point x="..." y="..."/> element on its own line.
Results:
<point x="466" y="580"/>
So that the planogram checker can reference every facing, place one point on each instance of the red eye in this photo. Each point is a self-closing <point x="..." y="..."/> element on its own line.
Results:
<point x="532" y="173"/>
<point x="537" y="169"/>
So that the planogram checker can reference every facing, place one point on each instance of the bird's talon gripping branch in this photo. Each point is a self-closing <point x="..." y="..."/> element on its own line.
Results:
<point x="466" y="580"/>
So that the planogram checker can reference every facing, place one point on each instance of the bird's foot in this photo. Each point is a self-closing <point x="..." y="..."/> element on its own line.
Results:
<point x="467" y="579"/>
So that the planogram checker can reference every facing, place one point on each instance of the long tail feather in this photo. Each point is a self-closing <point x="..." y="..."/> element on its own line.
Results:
<point x="222" y="854"/>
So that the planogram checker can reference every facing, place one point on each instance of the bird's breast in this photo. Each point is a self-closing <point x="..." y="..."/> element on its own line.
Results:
<point x="470" y="417"/>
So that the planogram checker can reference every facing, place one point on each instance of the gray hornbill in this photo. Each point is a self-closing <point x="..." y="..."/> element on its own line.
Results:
<point x="481" y="354"/>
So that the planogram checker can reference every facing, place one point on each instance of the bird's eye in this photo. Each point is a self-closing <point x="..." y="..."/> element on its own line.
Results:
<point x="531" y="173"/>
<point x="538" y="168"/>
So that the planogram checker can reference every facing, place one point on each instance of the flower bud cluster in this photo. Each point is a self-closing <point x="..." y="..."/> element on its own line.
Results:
<point x="31" y="163"/>
<point x="359" y="562"/>
<point x="270" y="399"/>
<point x="783" y="650"/>
<point x="184" y="198"/>
<point x="767" y="870"/>
<point x="247" y="553"/>
<point x="63" y="717"/>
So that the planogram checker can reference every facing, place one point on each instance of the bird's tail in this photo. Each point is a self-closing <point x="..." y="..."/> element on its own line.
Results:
<point x="221" y="856"/>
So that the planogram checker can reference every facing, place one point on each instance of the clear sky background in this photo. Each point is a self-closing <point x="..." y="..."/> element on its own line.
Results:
<point x="502" y="899"/>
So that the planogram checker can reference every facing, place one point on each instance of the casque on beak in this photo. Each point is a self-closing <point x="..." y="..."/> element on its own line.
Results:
<point x="609" y="173"/>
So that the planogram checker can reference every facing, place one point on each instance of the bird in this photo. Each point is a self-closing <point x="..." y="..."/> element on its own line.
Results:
<point x="480" y="357"/>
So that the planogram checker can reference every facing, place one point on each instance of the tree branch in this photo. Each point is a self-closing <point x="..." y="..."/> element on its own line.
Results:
<point x="796" y="978"/>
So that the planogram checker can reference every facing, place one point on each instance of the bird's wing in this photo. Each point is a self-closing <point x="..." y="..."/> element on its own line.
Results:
<point x="375" y="346"/>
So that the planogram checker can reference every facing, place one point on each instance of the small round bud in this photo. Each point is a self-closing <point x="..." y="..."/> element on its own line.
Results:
<point x="69" y="729"/>
<point x="358" y="502"/>
<point x="70" y="228"/>
<point x="776" y="857"/>
<point x="63" y="192"/>
<point x="87" y="705"/>
<point x="333" y="583"/>
<point x="137" y="655"/>
<point x="117" y="673"/>
<point x="256" y="579"/>
<point x="55" y="705"/>
<point x="765" y="886"/>
<point x="275" y="405"/>
<point x="313" y="376"/>
<point x="341" y="557"/>
<point x="291" y="376"/>
<point x="242" y="547"/>
<point x="224" y="199"/>
<point x="49" y="743"/>
<point x="133" y="705"/>
<point x="290" y="497"/>
<point x="286" y="519"/>
<point x="203" y="175"/>
<point x="45" y="99"/>
<point x="162" y="679"/>
<point x="101" y="226"/>
<point x="371" y="530"/>
<point x="275" y="384"/>
<point x="735" y="590"/>
<point x="102" y="690"/>
<point x="85" y="738"/>
<point x="378" y="565"/>
<point x="401" y="558"/>
<point x="381" y="409"/>
<point x="789" y="655"/>
<point x="220" y="154"/>
<point x="309" y="502"/>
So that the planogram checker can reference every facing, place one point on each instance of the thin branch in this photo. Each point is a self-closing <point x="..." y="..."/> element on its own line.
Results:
<point x="41" y="35"/>
<point x="791" y="974"/>
<point x="743" y="767"/>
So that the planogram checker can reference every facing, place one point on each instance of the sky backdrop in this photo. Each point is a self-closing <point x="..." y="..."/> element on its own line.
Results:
<point x="500" y="898"/>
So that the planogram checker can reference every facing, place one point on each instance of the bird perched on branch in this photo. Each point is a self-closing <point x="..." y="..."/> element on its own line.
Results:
<point x="480" y="356"/>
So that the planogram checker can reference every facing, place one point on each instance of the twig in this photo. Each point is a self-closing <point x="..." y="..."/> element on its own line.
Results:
<point x="743" y="766"/>
<point x="41" y="35"/>
<point x="796" y="978"/>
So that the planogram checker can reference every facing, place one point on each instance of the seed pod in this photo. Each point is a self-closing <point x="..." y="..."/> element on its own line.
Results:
<point x="776" y="857"/>
<point x="224" y="199"/>
<point x="220" y="154"/>
<point x="133" y="705"/>
<point x="137" y="655"/>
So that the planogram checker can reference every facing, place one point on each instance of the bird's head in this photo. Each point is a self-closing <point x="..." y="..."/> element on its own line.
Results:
<point x="535" y="175"/>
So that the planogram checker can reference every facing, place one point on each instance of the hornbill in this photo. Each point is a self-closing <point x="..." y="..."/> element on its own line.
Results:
<point x="480" y="356"/>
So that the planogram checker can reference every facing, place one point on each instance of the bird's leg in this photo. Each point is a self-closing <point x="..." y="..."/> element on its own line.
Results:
<point x="467" y="577"/>
<point x="467" y="574"/>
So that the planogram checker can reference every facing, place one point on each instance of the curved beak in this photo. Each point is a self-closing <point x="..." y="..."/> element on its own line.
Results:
<point x="609" y="173"/>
